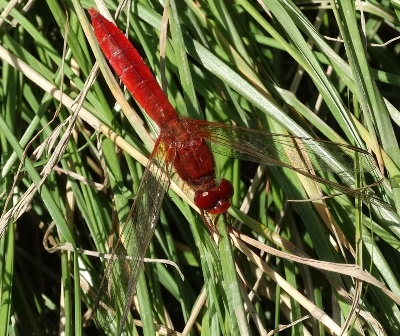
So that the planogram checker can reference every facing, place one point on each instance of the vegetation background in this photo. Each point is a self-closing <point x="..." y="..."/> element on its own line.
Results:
<point x="315" y="69"/>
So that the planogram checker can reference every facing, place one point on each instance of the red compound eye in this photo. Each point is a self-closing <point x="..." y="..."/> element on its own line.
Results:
<point x="225" y="189"/>
<point x="215" y="200"/>
<point x="220" y="207"/>
<point x="206" y="199"/>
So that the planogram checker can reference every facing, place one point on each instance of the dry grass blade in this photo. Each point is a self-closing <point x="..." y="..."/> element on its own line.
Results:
<point x="346" y="269"/>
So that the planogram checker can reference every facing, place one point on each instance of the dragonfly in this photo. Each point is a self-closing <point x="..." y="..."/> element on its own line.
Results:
<point x="185" y="146"/>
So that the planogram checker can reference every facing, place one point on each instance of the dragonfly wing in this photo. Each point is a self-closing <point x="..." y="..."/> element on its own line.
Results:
<point x="119" y="281"/>
<point x="303" y="155"/>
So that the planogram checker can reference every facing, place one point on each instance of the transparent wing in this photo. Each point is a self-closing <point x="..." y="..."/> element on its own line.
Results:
<point x="121" y="275"/>
<point x="303" y="155"/>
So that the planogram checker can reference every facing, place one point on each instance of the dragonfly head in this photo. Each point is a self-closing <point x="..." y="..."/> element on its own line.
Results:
<point x="215" y="200"/>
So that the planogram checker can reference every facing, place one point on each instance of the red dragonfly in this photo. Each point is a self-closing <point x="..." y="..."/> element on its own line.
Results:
<point x="186" y="146"/>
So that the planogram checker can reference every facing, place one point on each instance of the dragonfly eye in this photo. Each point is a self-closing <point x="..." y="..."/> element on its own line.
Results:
<point x="206" y="199"/>
<point x="221" y="207"/>
<point x="215" y="200"/>
<point x="225" y="189"/>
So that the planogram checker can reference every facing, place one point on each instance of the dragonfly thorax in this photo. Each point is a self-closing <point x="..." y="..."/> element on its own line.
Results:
<point x="194" y="163"/>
